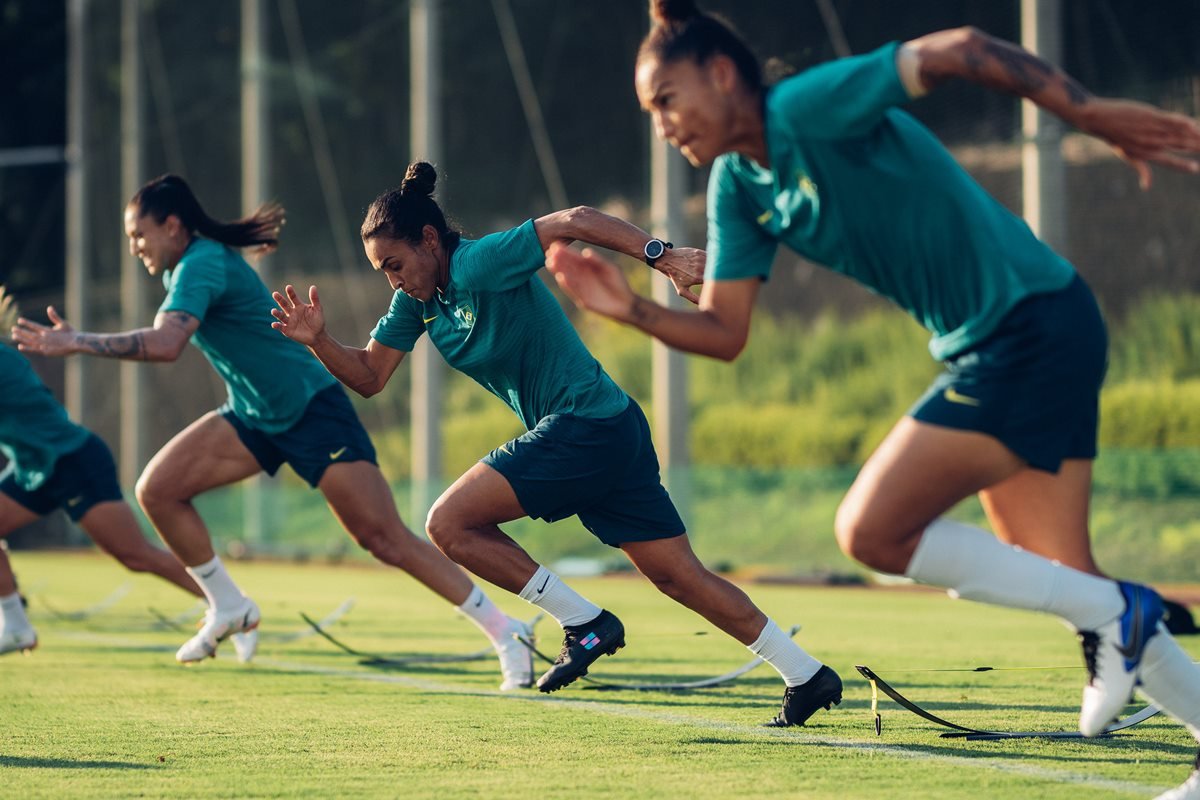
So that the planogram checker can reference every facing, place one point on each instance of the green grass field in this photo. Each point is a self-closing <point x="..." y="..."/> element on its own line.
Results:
<point x="102" y="710"/>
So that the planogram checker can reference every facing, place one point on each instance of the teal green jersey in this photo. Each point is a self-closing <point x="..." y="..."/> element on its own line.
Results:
<point x="34" y="427"/>
<point x="270" y="378"/>
<point x="498" y="323"/>
<point x="862" y="188"/>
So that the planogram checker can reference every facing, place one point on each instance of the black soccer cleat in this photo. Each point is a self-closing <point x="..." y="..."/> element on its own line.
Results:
<point x="823" y="690"/>
<point x="583" y="644"/>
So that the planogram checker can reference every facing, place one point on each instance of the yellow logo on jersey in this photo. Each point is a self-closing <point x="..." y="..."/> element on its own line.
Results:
<point x="334" y="455"/>
<point x="806" y="185"/>
<point x="765" y="217"/>
<point x="961" y="399"/>
<point x="431" y="319"/>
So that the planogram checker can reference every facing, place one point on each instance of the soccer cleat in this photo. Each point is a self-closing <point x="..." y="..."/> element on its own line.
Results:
<point x="1188" y="790"/>
<point x="823" y="690"/>
<point x="582" y="645"/>
<point x="217" y="629"/>
<point x="245" y="644"/>
<point x="14" y="638"/>
<point x="1113" y="655"/>
<point x="516" y="659"/>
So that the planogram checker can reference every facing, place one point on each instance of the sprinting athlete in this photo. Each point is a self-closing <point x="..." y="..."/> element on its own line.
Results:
<point x="283" y="406"/>
<point x="587" y="451"/>
<point x="54" y="463"/>
<point x="826" y="163"/>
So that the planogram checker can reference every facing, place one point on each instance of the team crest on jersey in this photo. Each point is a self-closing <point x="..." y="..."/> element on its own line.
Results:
<point x="465" y="316"/>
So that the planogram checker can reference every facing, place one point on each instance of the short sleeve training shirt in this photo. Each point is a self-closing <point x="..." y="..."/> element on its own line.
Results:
<point x="34" y="428"/>
<point x="859" y="186"/>
<point x="498" y="323"/>
<point x="270" y="378"/>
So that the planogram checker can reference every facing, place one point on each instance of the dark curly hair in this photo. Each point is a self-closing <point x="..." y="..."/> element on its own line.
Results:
<point x="403" y="213"/>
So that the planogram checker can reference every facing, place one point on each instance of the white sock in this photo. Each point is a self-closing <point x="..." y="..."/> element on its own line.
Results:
<point x="222" y="593"/>
<point x="777" y="649"/>
<point x="1171" y="680"/>
<point x="12" y="612"/>
<point x="479" y="608"/>
<point x="547" y="591"/>
<point x="975" y="565"/>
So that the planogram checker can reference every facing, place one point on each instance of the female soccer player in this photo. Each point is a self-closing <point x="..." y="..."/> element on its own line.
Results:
<point x="587" y="452"/>
<point x="825" y="163"/>
<point x="54" y="463"/>
<point x="283" y="407"/>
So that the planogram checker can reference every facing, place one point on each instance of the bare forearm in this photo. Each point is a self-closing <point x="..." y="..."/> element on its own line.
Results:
<point x="699" y="332"/>
<point x="972" y="55"/>
<point x="142" y="344"/>
<point x="347" y="364"/>
<point x="586" y="224"/>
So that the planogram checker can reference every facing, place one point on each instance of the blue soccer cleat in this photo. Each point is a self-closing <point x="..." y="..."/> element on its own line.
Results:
<point x="1113" y="655"/>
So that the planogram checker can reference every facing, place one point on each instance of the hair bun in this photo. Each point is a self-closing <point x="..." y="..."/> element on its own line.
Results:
<point x="667" y="12"/>
<point x="420" y="177"/>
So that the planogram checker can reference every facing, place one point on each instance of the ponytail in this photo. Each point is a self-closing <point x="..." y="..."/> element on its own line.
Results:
<point x="170" y="194"/>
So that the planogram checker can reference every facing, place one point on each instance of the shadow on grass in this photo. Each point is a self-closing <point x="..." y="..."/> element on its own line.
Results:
<point x="67" y="763"/>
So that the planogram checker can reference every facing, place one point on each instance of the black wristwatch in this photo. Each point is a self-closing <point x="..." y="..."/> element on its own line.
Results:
<point x="654" y="250"/>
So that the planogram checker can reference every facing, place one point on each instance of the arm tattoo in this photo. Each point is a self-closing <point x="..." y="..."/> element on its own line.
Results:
<point x="1028" y="73"/>
<point x="178" y="319"/>
<point x="643" y="312"/>
<point x="129" y="346"/>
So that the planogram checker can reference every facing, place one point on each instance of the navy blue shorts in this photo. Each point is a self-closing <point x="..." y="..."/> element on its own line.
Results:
<point x="604" y="471"/>
<point x="82" y="478"/>
<point x="328" y="433"/>
<point x="1034" y="383"/>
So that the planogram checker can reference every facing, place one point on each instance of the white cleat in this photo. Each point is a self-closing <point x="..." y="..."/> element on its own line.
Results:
<point x="245" y="644"/>
<point x="1113" y="655"/>
<point x="15" y="639"/>
<point x="1188" y="790"/>
<point x="516" y="660"/>
<point x="217" y="629"/>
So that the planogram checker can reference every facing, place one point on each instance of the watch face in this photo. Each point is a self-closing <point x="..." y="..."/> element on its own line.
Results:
<point x="654" y="248"/>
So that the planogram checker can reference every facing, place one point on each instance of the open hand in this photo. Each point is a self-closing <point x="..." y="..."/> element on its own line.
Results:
<point x="1143" y="135"/>
<point x="592" y="282"/>
<point x="297" y="320"/>
<point x="56" y="339"/>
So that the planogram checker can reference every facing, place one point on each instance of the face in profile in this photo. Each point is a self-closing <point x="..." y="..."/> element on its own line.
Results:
<point x="159" y="245"/>
<point x="410" y="268"/>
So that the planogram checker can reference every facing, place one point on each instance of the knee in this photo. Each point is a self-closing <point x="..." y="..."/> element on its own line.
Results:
<point x="376" y="536"/>
<point x="871" y="540"/>
<point x="857" y="537"/>
<point x="675" y="583"/>
<point x="446" y="531"/>
<point x="137" y="560"/>
<point x="153" y="493"/>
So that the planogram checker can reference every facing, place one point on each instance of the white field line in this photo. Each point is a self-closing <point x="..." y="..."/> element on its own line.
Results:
<point x="618" y="710"/>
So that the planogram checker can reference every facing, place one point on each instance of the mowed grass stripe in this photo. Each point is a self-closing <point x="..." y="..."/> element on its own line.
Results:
<point x="795" y="737"/>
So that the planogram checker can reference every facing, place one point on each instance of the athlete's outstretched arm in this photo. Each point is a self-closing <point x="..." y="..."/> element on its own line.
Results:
<point x="718" y="328"/>
<point x="683" y="265"/>
<point x="163" y="342"/>
<point x="366" y="370"/>
<point x="1140" y="133"/>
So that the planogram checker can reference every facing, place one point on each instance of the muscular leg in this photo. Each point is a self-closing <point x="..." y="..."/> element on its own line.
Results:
<point x="203" y="456"/>
<point x="362" y="501"/>
<point x="672" y="566"/>
<point x="464" y="524"/>
<point x="1046" y="513"/>
<point x="13" y="515"/>
<point x="918" y="473"/>
<point x="113" y="527"/>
